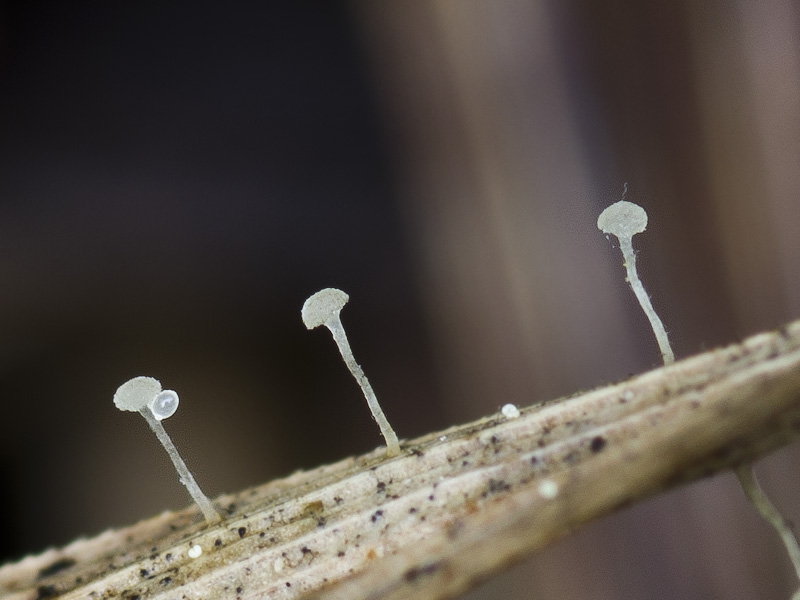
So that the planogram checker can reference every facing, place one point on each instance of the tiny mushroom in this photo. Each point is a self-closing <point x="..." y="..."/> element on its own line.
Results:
<point x="624" y="220"/>
<point x="145" y="396"/>
<point x="323" y="308"/>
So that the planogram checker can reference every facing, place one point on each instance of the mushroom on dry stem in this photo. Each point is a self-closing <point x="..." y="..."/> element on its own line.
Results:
<point x="624" y="220"/>
<point x="323" y="308"/>
<point x="145" y="396"/>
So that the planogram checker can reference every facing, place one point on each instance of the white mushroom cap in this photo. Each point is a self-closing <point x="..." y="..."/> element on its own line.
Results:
<point x="323" y="306"/>
<point x="622" y="219"/>
<point x="137" y="393"/>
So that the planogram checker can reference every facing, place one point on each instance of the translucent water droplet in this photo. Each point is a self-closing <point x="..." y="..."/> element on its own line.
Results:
<point x="164" y="404"/>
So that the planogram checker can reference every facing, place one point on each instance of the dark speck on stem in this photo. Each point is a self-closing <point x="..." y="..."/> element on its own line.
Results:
<point x="598" y="443"/>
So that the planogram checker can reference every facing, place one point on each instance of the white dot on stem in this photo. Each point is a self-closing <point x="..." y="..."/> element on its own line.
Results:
<point x="548" y="489"/>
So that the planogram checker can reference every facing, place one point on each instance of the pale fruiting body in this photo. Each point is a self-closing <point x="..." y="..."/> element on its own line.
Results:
<point x="145" y="396"/>
<point x="624" y="220"/>
<point x="323" y="308"/>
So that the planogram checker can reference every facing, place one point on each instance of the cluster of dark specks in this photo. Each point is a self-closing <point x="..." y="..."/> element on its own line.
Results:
<point x="376" y="515"/>
<point x="381" y="488"/>
<point x="496" y="486"/>
<point x="415" y="573"/>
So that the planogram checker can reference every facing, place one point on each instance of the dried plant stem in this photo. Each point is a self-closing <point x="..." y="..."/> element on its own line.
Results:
<point x="456" y="506"/>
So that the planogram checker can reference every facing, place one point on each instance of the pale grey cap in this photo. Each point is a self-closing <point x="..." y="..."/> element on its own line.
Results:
<point x="323" y="306"/>
<point x="622" y="219"/>
<point x="137" y="393"/>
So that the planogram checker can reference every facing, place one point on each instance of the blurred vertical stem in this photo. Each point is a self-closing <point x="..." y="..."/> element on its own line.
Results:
<point x="756" y="495"/>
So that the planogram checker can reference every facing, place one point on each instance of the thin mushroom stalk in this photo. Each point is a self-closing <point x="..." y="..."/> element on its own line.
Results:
<point x="323" y="308"/>
<point x="184" y="475"/>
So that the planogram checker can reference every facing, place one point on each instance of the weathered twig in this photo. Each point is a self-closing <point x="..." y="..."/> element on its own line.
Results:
<point x="456" y="506"/>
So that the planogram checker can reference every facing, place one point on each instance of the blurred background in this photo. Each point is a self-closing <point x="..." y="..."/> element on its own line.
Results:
<point x="177" y="177"/>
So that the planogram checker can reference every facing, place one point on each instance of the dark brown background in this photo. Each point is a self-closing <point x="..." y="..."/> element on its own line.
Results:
<point x="177" y="177"/>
